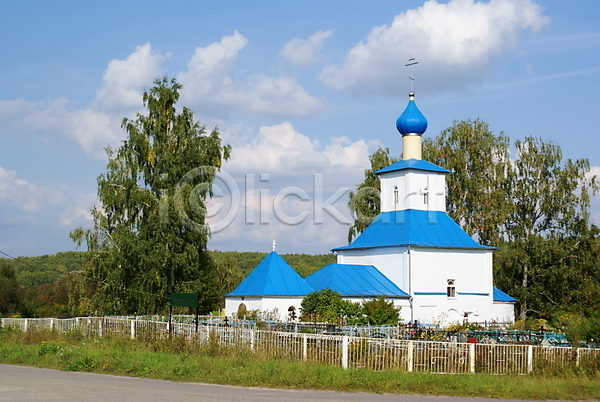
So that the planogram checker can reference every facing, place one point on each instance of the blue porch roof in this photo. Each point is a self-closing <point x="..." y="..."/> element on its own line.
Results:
<point x="500" y="296"/>
<point x="354" y="280"/>
<point x="413" y="227"/>
<point x="272" y="277"/>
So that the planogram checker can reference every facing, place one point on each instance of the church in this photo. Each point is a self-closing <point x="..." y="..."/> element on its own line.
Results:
<point x="412" y="253"/>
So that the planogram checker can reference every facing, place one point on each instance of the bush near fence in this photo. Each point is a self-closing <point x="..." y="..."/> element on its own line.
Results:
<point x="340" y="350"/>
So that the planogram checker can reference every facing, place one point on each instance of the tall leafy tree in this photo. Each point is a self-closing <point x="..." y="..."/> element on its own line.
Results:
<point x="549" y="247"/>
<point x="10" y="291"/>
<point x="149" y="236"/>
<point x="477" y="188"/>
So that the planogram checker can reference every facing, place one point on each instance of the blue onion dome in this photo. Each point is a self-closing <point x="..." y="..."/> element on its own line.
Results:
<point x="411" y="121"/>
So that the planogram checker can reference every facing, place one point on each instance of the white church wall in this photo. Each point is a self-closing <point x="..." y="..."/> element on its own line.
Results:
<point x="277" y="306"/>
<point x="443" y="310"/>
<point x="469" y="272"/>
<point x="431" y="269"/>
<point x="391" y="262"/>
<point x="232" y="304"/>
<point x="412" y="185"/>
<point x="503" y="312"/>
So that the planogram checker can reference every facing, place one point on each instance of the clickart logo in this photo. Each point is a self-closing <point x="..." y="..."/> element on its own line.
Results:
<point x="209" y="196"/>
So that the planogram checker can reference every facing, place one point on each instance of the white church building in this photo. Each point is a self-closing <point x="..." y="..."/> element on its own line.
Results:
<point x="412" y="253"/>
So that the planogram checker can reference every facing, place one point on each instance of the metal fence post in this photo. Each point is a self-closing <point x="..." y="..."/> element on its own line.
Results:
<point x="51" y="324"/>
<point x="410" y="358"/>
<point x="529" y="358"/>
<point x="100" y="329"/>
<point x="132" y="329"/>
<point x="345" y="352"/>
<point x="26" y="325"/>
<point x="471" y="357"/>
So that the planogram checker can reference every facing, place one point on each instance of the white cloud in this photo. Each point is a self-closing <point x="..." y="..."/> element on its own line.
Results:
<point x="305" y="52"/>
<point x="296" y="165"/>
<point x="23" y="195"/>
<point x="595" y="200"/>
<point x="594" y="171"/>
<point x="14" y="108"/>
<point x="209" y="67"/>
<point x="98" y="125"/>
<point x="125" y="80"/>
<point x="36" y="219"/>
<point x="280" y="148"/>
<point x="208" y="83"/>
<point x="93" y="130"/>
<point x="78" y="210"/>
<point x="31" y="199"/>
<point x="453" y="42"/>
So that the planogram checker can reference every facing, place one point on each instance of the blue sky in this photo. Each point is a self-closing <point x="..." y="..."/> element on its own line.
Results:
<point x="303" y="90"/>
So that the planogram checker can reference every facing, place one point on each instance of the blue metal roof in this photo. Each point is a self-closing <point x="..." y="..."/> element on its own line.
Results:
<point x="417" y="164"/>
<point x="272" y="277"/>
<point x="413" y="227"/>
<point x="500" y="296"/>
<point x="354" y="280"/>
<point x="411" y="121"/>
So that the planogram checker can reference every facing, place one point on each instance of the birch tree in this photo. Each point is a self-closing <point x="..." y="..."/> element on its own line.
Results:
<point x="149" y="236"/>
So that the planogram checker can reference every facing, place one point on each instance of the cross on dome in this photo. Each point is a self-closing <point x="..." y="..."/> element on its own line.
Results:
<point x="411" y="62"/>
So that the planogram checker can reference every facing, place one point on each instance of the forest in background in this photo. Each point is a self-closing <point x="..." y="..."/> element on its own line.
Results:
<point x="49" y="285"/>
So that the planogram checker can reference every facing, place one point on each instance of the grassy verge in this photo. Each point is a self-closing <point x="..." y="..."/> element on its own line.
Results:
<point x="180" y="360"/>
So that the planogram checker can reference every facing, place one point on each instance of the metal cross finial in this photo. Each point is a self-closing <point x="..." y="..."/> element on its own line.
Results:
<point x="274" y="244"/>
<point x="411" y="62"/>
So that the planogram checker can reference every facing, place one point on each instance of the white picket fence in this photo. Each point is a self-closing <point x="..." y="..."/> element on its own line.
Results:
<point x="344" y="351"/>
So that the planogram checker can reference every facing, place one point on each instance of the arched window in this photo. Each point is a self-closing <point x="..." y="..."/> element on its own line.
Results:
<point x="395" y="195"/>
<point x="242" y="310"/>
<point x="451" y="289"/>
<point x="292" y="313"/>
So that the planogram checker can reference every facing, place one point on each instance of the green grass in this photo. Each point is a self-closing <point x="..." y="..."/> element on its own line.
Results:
<point x="181" y="360"/>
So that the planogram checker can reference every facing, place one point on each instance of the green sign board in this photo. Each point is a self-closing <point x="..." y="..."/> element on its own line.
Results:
<point x="184" y="300"/>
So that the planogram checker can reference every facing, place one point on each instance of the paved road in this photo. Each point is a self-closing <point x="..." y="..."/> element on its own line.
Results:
<point x="28" y="384"/>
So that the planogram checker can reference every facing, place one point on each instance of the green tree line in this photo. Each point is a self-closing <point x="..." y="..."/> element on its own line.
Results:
<point x="54" y="285"/>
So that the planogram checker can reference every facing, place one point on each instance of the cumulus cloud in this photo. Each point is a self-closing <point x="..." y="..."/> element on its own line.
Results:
<point x="93" y="130"/>
<point x="23" y="195"/>
<point x="285" y="178"/>
<point x="595" y="201"/>
<point x="99" y="124"/>
<point x="78" y="210"/>
<point x="208" y="83"/>
<point x="305" y="52"/>
<point x="125" y="80"/>
<point x="280" y="148"/>
<point x="453" y="42"/>
<point x="14" y="108"/>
